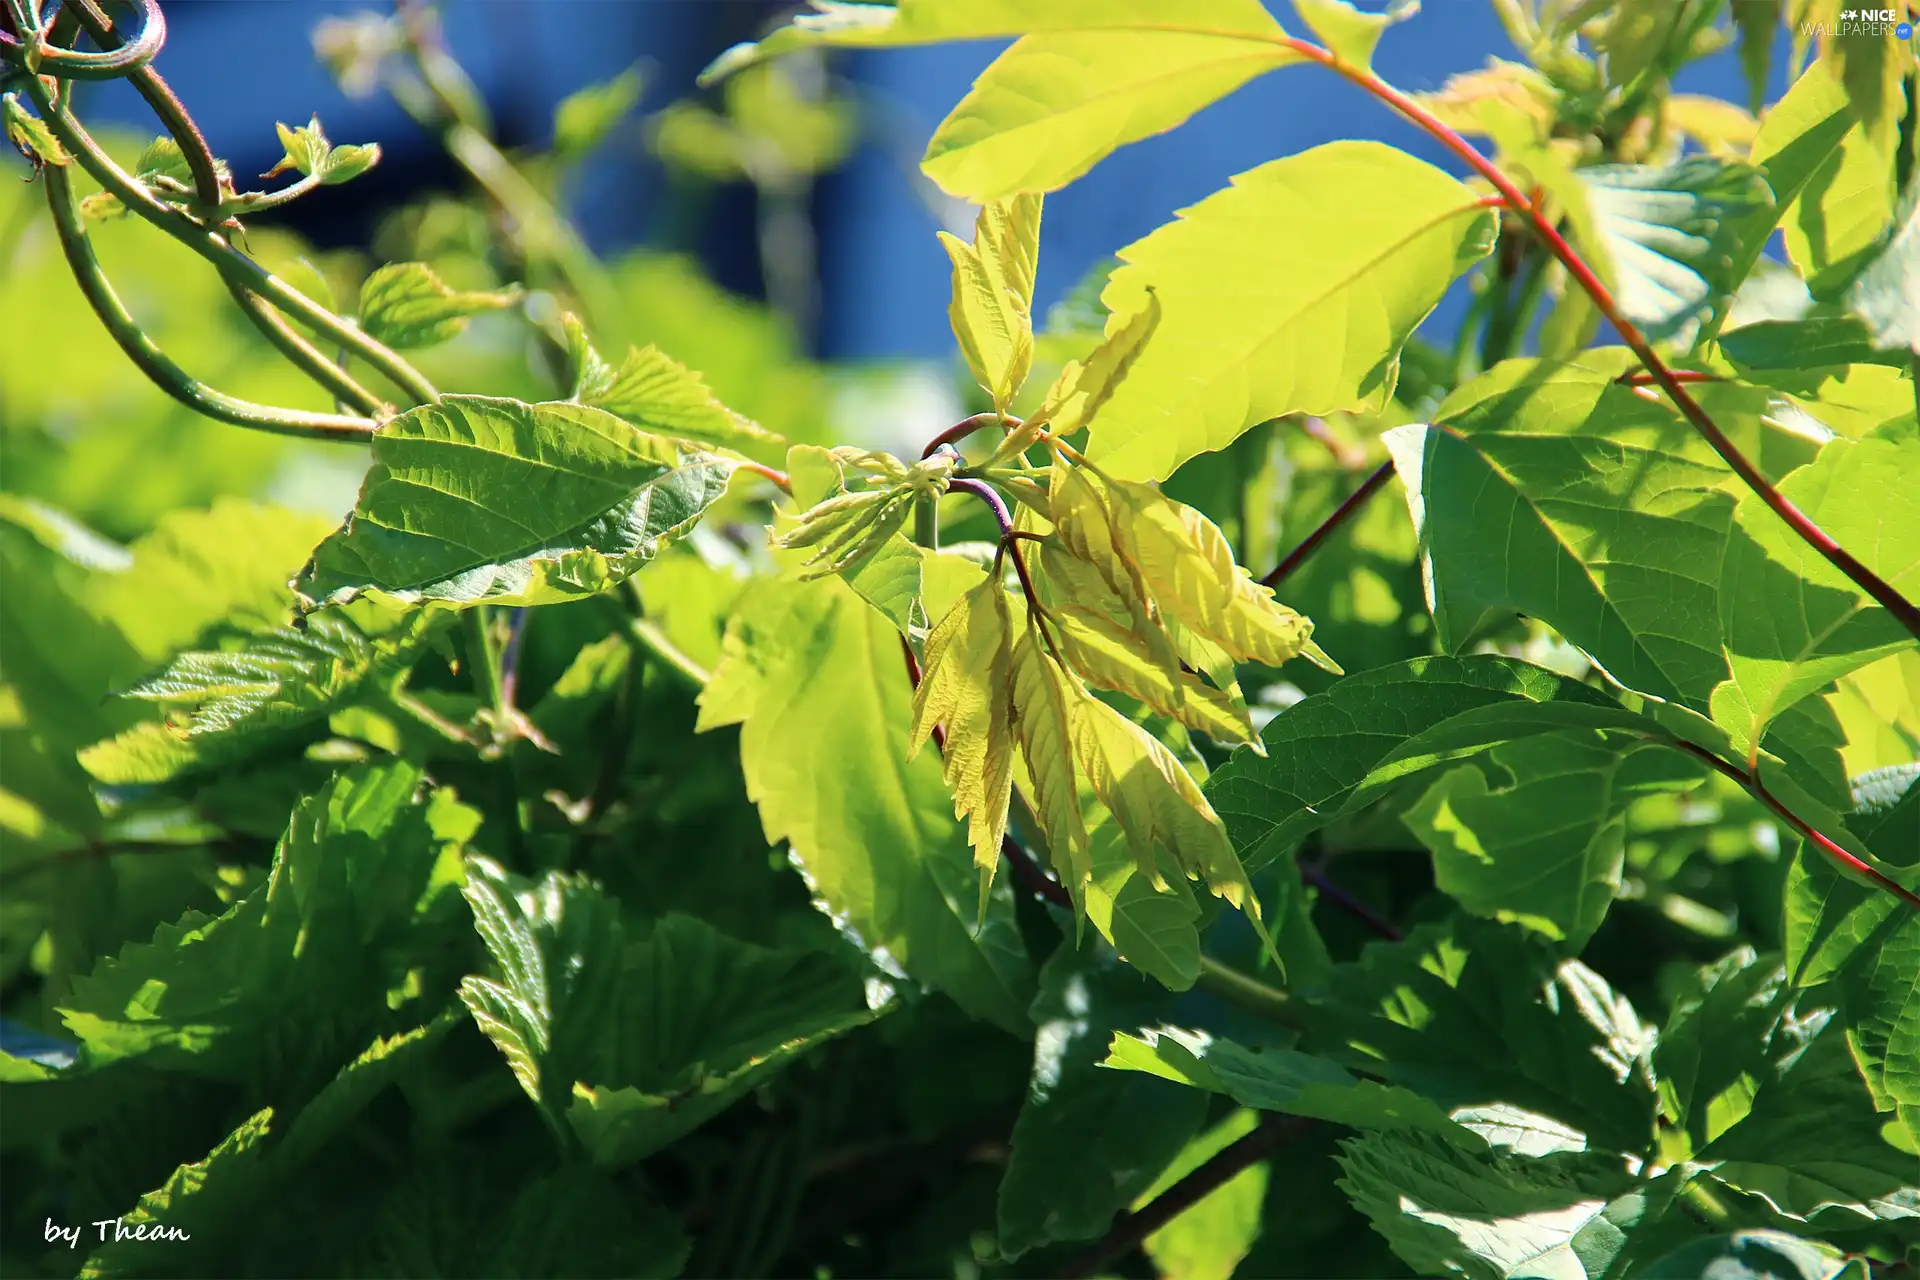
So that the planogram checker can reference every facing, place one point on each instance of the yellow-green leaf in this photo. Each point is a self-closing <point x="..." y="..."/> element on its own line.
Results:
<point x="1188" y="566"/>
<point x="1291" y="291"/>
<point x="1108" y="655"/>
<point x="1041" y="695"/>
<point x="1155" y="800"/>
<point x="1080" y="390"/>
<point x="1351" y="33"/>
<point x="966" y="688"/>
<point x="404" y="304"/>
<point x="1086" y="77"/>
<point x="992" y="309"/>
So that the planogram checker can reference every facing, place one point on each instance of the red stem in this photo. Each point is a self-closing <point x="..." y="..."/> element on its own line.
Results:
<point x="1343" y="513"/>
<point x="960" y="431"/>
<point x="1898" y="605"/>
<point x="1758" y="789"/>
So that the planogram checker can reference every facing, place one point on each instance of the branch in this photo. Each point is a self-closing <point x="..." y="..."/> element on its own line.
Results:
<point x="961" y="430"/>
<point x="1883" y="593"/>
<point x="1316" y="875"/>
<point x="152" y="361"/>
<point x="1341" y="514"/>
<point x="1130" y="1229"/>
<point x="70" y="64"/>
<point x="1832" y="850"/>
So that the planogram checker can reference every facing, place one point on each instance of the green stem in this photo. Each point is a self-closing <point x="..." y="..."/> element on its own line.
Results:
<point x="71" y="64"/>
<point x="152" y="361"/>
<point x="484" y="659"/>
<point x="308" y="358"/>
<point x="647" y="634"/>
<point x="213" y="246"/>
<point x="1249" y="993"/>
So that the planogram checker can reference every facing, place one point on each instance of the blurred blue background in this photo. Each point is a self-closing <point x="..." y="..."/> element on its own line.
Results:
<point x="883" y="284"/>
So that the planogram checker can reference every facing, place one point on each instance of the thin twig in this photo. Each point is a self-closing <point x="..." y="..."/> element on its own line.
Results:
<point x="1130" y="1229"/>
<point x="1341" y="514"/>
<point x="1758" y="790"/>
<point x="1316" y="875"/>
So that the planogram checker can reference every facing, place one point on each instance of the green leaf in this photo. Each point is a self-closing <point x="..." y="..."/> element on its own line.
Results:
<point x="702" y="1019"/>
<point x="663" y="397"/>
<point x="315" y="940"/>
<point x="1751" y="1255"/>
<point x="1290" y="291"/>
<point x="1072" y="1167"/>
<point x="1886" y="294"/>
<point x="1665" y="237"/>
<point x="1790" y="622"/>
<point x="190" y="1213"/>
<point x="1210" y="1237"/>
<point x="1472" y="1014"/>
<point x="586" y="117"/>
<point x="1450" y="1211"/>
<point x="1832" y="186"/>
<point x="1334" y="752"/>
<point x="1545" y="848"/>
<point x="557" y="947"/>
<point x="880" y="850"/>
<point x="1757" y="21"/>
<point x="1859" y="944"/>
<point x="1812" y="343"/>
<point x="1282" y="1080"/>
<point x="29" y="135"/>
<point x="227" y="702"/>
<point x="1710" y="1055"/>
<point x="1352" y="33"/>
<point x="1812" y="1146"/>
<point x="404" y="304"/>
<point x="478" y="500"/>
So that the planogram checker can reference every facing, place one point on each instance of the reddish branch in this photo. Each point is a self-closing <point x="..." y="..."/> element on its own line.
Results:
<point x="1343" y="513"/>
<point x="1750" y="780"/>
<point x="1898" y="605"/>
<point x="1130" y="1229"/>
<point x="960" y="431"/>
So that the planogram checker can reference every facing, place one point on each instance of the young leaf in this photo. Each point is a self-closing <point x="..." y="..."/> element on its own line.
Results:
<point x="476" y="499"/>
<point x="966" y="686"/>
<point x="309" y="152"/>
<point x="1042" y="695"/>
<point x="29" y="135"/>
<point x="992" y="309"/>
<point x="1071" y="1168"/>
<point x="1081" y="389"/>
<point x="404" y="304"/>
<point x="810" y="661"/>
<point x="1155" y="800"/>
<point x="586" y="117"/>
<point x="1104" y="654"/>
<point x="659" y="395"/>
<point x="1291" y="291"/>
<point x="1188" y="566"/>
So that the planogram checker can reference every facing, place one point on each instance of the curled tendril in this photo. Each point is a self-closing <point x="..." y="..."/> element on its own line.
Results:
<point x="27" y="49"/>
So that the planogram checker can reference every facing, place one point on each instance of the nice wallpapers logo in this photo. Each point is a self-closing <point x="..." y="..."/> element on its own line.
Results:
<point x="1863" y="22"/>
